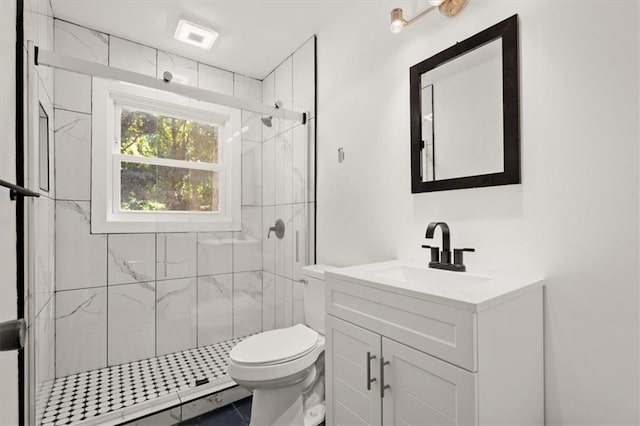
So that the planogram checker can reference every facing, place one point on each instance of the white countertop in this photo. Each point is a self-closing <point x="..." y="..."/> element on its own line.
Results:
<point x="470" y="291"/>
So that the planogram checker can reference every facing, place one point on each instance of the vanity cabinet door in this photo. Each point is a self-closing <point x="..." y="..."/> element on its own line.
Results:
<point x="352" y="363"/>
<point x="424" y="390"/>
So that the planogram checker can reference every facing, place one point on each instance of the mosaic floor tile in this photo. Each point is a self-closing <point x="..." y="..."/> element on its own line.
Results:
<point x="93" y="393"/>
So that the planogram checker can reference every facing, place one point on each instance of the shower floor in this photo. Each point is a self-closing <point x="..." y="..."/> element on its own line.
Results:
<point x="92" y="396"/>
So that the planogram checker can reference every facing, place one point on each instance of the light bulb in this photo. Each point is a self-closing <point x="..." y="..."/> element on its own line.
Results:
<point x="396" y="26"/>
<point x="397" y="22"/>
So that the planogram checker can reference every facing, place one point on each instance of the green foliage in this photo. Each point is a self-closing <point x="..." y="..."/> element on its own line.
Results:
<point x="162" y="188"/>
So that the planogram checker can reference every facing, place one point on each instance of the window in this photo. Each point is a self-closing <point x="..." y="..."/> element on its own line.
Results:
<point x="162" y="162"/>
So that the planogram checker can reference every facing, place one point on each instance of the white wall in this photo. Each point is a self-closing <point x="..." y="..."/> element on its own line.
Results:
<point x="8" y="306"/>
<point x="573" y="220"/>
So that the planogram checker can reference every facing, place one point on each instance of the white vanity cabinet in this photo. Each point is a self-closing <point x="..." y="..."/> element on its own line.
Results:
<point x="464" y="360"/>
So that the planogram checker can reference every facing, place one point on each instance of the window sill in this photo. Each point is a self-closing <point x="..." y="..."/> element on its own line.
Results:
<point x="102" y="226"/>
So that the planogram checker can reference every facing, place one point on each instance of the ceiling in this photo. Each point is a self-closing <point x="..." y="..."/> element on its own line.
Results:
<point x="255" y="35"/>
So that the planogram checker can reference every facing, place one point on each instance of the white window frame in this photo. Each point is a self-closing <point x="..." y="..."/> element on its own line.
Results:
<point x="109" y="97"/>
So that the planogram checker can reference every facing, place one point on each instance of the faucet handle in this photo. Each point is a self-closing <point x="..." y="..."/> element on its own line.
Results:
<point x="435" y="252"/>
<point x="457" y="255"/>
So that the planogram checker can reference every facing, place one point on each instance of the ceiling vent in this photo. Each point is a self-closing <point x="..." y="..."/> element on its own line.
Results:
<point x="195" y="35"/>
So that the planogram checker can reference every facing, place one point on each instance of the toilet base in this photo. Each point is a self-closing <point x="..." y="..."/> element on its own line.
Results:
<point x="281" y="406"/>
<point x="299" y="404"/>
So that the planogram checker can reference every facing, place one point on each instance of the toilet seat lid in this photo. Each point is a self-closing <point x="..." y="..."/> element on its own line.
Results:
<point x="275" y="346"/>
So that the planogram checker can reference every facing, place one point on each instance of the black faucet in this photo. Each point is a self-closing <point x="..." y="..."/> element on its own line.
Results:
<point x="442" y="260"/>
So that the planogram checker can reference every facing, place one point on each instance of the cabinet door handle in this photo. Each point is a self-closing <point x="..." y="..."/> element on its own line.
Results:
<point x="369" y="379"/>
<point x="382" y="385"/>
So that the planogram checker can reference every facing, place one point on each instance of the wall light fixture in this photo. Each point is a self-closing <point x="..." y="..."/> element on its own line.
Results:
<point x="448" y="8"/>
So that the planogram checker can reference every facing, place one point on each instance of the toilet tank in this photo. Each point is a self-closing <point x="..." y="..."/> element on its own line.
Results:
<point x="313" y="296"/>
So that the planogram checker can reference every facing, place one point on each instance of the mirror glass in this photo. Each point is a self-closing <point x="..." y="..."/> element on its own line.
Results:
<point x="462" y="116"/>
<point x="43" y="149"/>
<point x="465" y="113"/>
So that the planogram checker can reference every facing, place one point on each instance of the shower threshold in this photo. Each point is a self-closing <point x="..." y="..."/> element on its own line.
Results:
<point x="126" y="392"/>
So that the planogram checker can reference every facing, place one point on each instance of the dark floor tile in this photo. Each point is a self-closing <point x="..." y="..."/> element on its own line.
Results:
<point x="225" y="416"/>
<point x="243" y="407"/>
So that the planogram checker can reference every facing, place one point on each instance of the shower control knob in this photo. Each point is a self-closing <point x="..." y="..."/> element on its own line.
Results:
<point x="278" y="228"/>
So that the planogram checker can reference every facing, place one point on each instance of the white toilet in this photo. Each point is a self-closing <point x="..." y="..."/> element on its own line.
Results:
<point x="285" y="367"/>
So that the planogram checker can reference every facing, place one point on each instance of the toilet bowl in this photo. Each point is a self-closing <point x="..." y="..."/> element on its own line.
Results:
<point x="285" y="367"/>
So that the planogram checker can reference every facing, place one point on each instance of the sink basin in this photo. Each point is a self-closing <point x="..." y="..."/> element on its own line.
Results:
<point x="420" y="275"/>
<point x="470" y="291"/>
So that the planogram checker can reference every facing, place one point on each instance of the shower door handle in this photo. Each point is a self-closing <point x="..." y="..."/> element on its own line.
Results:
<point x="12" y="335"/>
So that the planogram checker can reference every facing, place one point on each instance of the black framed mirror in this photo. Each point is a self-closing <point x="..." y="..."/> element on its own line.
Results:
<point x="465" y="113"/>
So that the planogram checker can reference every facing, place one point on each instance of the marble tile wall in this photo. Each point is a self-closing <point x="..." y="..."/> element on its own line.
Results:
<point x="41" y="302"/>
<point x="134" y="296"/>
<point x="288" y="166"/>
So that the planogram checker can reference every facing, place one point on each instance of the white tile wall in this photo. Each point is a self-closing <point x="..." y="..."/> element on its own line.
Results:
<point x="231" y="296"/>
<point x="176" y="255"/>
<point x="249" y="88"/>
<point x="81" y="330"/>
<point x="269" y="98"/>
<point x="300" y="251"/>
<point x="268" y="173"/>
<point x="184" y="71"/>
<point x="132" y="322"/>
<point x="45" y="97"/>
<point x="45" y="267"/>
<point x="284" y="302"/>
<point x="81" y="258"/>
<point x="284" y="84"/>
<point x="284" y="247"/>
<point x="288" y="183"/>
<point x="247" y="245"/>
<point x="284" y="168"/>
<point x="132" y="258"/>
<point x="72" y="91"/>
<point x="81" y="42"/>
<point x="176" y="318"/>
<point x="269" y="244"/>
<point x="298" y="303"/>
<point x="72" y="155"/>
<point x="301" y="183"/>
<point x="311" y="235"/>
<point x="45" y="343"/>
<point x="215" y="309"/>
<point x="251" y="173"/>
<point x="215" y="253"/>
<point x="215" y="79"/>
<point x="311" y="148"/>
<point x="38" y="27"/>
<point x="247" y="303"/>
<point x="132" y="57"/>
<point x="268" y="301"/>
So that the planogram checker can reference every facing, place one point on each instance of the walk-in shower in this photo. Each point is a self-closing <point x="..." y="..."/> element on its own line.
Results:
<point x="129" y="321"/>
